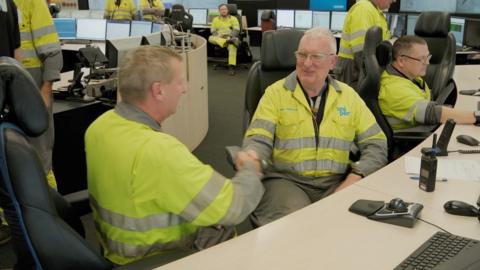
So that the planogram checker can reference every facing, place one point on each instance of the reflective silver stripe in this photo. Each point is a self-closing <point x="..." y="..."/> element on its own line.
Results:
<point x="354" y="35"/>
<point x="50" y="47"/>
<point x="25" y="36"/>
<point x="312" y="165"/>
<point x="261" y="139"/>
<point x="205" y="197"/>
<point x="29" y="53"/>
<point x="235" y="208"/>
<point x="393" y="120"/>
<point x="263" y="124"/>
<point x="133" y="251"/>
<point x="421" y="106"/>
<point x="309" y="142"/>
<point x="43" y="31"/>
<point x="135" y="224"/>
<point x="357" y="48"/>
<point x="345" y="50"/>
<point x="371" y="131"/>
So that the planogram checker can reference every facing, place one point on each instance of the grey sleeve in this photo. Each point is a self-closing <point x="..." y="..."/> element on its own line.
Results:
<point x="374" y="155"/>
<point x="260" y="144"/>
<point x="247" y="192"/>
<point x="235" y="32"/>
<point x="433" y="113"/>
<point x="52" y="65"/>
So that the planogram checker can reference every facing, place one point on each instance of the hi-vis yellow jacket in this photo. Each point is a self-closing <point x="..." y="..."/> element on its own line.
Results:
<point x="225" y="26"/>
<point x="361" y="16"/>
<point x="149" y="194"/>
<point x="125" y="11"/>
<point x="283" y="125"/>
<point x="155" y="4"/>
<point x="38" y="34"/>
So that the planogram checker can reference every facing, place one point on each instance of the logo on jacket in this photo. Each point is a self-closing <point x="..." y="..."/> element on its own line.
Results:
<point x="343" y="111"/>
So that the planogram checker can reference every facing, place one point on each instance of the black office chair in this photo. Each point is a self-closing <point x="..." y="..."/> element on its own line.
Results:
<point x="268" y="20"/>
<point x="434" y="27"/>
<point x="179" y="18"/>
<point x="30" y="206"/>
<point x="277" y="60"/>
<point x="377" y="54"/>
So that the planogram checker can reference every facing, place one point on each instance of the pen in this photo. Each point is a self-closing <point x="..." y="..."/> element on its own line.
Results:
<point x="416" y="177"/>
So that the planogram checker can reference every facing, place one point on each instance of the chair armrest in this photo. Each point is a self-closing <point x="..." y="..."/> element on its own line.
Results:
<point x="411" y="136"/>
<point x="79" y="201"/>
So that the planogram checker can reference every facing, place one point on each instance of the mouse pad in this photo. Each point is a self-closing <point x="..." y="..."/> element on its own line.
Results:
<point x="366" y="207"/>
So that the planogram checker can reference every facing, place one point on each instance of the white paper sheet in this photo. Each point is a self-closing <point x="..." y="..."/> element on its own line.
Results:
<point x="468" y="170"/>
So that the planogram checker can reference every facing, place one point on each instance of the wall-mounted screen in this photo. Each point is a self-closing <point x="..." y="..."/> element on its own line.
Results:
<point x="328" y="5"/>
<point x="428" y="5"/>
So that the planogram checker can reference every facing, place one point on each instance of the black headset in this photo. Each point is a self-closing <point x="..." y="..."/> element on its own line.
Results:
<point x="117" y="2"/>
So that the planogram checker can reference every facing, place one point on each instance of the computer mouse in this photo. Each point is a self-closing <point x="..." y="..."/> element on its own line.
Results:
<point x="460" y="209"/>
<point x="468" y="140"/>
<point x="397" y="205"/>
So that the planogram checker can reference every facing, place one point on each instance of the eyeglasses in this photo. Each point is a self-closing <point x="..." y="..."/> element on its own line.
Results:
<point x="314" y="57"/>
<point x="423" y="60"/>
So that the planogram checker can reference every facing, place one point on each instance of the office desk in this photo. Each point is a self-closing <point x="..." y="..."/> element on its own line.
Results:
<point x="325" y="235"/>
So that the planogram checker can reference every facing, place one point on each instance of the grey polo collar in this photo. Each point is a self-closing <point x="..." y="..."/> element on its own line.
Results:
<point x="132" y="113"/>
<point x="291" y="82"/>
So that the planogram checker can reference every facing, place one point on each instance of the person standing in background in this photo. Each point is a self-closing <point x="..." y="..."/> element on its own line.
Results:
<point x="152" y="10"/>
<point x="361" y="16"/>
<point x="122" y="10"/>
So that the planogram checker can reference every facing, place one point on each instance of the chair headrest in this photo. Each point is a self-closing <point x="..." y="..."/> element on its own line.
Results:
<point x="20" y="99"/>
<point x="372" y="38"/>
<point x="384" y="53"/>
<point x="178" y="8"/>
<point x="433" y="24"/>
<point x="232" y="9"/>
<point x="278" y="48"/>
<point x="267" y="15"/>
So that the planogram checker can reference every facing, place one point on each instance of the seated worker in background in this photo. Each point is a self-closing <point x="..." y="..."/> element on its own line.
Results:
<point x="148" y="193"/>
<point x="152" y="10"/>
<point x="225" y="30"/>
<point x="360" y="17"/>
<point x="404" y="97"/>
<point x="305" y="125"/>
<point x="121" y="10"/>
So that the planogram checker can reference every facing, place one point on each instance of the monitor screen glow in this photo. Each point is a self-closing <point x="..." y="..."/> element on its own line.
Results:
<point x="91" y="29"/>
<point x="199" y="15"/>
<point x="118" y="30"/>
<point x="285" y="18"/>
<point x="457" y="27"/>
<point x="338" y="19"/>
<point x="140" y="28"/>
<point x="411" y="21"/>
<point x="66" y="28"/>
<point x="328" y="5"/>
<point x="156" y="27"/>
<point x="303" y="19"/>
<point x="321" y="19"/>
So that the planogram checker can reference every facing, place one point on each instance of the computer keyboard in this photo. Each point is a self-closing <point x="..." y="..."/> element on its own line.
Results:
<point x="440" y="248"/>
<point x="471" y="151"/>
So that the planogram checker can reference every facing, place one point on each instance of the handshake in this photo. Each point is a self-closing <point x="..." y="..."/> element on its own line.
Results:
<point x="249" y="157"/>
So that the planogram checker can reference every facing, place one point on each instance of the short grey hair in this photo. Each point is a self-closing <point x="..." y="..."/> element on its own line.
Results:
<point x="141" y="68"/>
<point x="321" y="32"/>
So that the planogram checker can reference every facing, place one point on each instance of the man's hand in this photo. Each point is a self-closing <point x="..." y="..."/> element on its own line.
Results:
<point x="249" y="156"/>
<point x="350" y="179"/>
<point x="46" y="92"/>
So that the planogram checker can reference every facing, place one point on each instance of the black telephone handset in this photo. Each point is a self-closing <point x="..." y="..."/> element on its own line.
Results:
<point x="445" y="137"/>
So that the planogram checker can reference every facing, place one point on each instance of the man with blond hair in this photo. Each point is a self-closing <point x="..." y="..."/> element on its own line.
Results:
<point x="148" y="193"/>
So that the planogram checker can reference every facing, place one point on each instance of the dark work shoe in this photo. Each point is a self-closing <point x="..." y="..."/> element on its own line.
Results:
<point x="231" y="70"/>
<point x="4" y="234"/>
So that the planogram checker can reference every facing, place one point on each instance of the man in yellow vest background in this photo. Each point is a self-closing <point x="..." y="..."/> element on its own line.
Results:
<point x="305" y="126"/>
<point x="148" y="193"/>
<point x="122" y="10"/>
<point x="405" y="98"/>
<point x="360" y="17"/>
<point x="152" y="10"/>
<point x="225" y="30"/>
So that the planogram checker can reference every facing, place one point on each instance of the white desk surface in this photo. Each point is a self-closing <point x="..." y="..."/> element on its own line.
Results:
<point x="325" y="235"/>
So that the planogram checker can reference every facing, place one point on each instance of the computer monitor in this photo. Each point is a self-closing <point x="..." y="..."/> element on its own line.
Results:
<point x="397" y="24"/>
<point x="285" y="18"/>
<point x="66" y="28"/>
<point x="212" y="13"/>
<point x="472" y="33"/>
<point x="328" y="5"/>
<point x="116" y="49"/>
<point x="156" y="27"/>
<point x="411" y="22"/>
<point x="428" y="5"/>
<point x="321" y="19"/>
<point x="118" y="29"/>
<point x="154" y="39"/>
<point x="199" y="15"/>
<point x="91" y="29"/>
<point x="457" y="27"/>
<point x="338" y="18"/>
<point x="140" y="28"/>
<point x="470" y="6"/>
<point x="303" y="19"/>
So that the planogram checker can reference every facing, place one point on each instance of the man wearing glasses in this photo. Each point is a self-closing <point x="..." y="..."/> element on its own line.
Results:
<point x="305" y="126"/>
<point x="404" y="96"/>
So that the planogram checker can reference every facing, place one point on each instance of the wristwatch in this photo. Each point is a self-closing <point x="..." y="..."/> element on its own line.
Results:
<point x="477" y="117"/>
